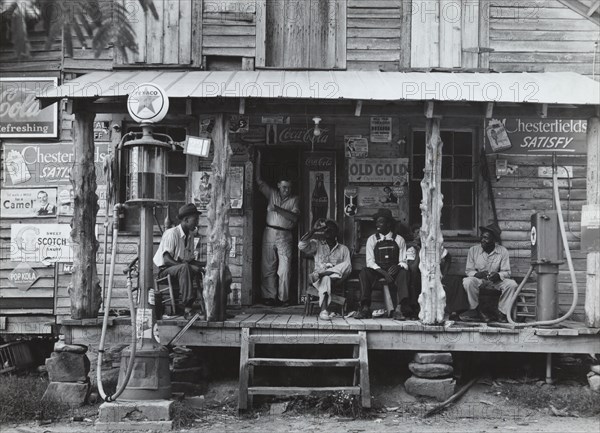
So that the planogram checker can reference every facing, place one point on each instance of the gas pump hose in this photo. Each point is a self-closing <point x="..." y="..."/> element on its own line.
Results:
<point x="129" y="370"/>
<point x="563" y="235"/>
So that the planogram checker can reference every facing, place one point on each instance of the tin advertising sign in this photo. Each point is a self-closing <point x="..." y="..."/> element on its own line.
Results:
<point x="20" y="113"/>
<point x="523" y="136"/>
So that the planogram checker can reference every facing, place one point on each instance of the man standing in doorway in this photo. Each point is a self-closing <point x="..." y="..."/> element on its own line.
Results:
<point x="282" y="216"/>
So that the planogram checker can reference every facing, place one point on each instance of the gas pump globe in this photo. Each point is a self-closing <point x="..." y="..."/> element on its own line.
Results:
<point x="145" y="177"/>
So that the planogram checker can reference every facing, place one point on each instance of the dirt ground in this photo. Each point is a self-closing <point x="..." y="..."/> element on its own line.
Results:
<point x="484" y="408"/>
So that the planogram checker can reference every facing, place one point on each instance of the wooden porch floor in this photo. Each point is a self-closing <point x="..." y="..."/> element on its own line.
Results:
<point x="386" y="334"/>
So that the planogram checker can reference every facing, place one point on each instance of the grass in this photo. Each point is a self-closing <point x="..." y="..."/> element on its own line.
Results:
<point x="337" y="404"/>
<point x="21" y="400"/>
<point x="575" y="400"/>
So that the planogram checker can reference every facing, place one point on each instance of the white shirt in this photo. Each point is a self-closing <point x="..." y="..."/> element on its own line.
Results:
<point x="173" y="242"/>
<point x="371" y="248"/>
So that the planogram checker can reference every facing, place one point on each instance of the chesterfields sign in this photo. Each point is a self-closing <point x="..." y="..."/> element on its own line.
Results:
<point x="534" y="136"/>
<point x="20" y="113"/>
<point x="45" y="164"/>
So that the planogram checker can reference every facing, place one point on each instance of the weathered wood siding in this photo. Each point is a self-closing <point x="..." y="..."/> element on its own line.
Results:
<point x="447" y="34"/>
<point x="378" y="34"/>
<point x="541" y="36"/>
<point x="172" y="39"/>
<point x="307" y="34"/>
<point x="229" y="28"/>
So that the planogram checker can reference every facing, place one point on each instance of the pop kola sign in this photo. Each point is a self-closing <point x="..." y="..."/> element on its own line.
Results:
<point x="148" y="103"/>
<point x="46" y="243"/>
<point x="536" y="136"/>
<point x="23" y="276"/>
<point x="20" y="112"/>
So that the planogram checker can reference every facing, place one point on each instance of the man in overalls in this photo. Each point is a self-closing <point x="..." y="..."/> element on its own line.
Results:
<point x="386" y="258"/>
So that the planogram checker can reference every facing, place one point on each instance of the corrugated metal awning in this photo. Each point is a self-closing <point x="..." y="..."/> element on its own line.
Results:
<point x="543" y="87"/>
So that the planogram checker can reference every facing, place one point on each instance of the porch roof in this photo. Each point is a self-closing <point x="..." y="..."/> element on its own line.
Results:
<point x="540" y="88"/>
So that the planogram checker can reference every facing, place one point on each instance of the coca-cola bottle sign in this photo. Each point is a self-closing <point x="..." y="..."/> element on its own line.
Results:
<point x="303" y="135"/>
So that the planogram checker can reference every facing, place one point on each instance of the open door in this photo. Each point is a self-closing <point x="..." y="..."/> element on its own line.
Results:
<point x="276" y="161"/>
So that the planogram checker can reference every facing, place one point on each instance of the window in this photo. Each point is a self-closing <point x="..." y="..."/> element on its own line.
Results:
<point x="458" y="179"/>
<point x="176" y="181"/>
<point x="302" y="34"/>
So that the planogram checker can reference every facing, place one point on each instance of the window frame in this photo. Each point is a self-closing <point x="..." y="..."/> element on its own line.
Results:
<point x="459" y="233"/>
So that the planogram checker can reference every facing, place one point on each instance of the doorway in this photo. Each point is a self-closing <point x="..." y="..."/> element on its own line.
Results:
<point x="277" y="161"/>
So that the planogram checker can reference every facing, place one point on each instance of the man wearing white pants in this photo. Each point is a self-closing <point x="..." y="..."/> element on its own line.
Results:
<point x="332" y="261"/>
<point x="277" y="247"/>
<point x="489" y="261"/>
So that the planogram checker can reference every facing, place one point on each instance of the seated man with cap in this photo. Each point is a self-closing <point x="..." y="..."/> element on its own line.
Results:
<point x="175" y="255"/>
<point x="332" y="261"/>
<point x="386" y="258"/>
<point x="488" y="264"/>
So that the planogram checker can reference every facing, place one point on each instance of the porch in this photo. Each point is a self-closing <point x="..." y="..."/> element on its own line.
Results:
<point x="385" y="334"/>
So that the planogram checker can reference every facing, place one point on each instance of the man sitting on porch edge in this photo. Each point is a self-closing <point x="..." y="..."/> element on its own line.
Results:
<point x="386" y="257"/>
<point x="488" y="263"/>
<point x="175" y="255"/>
<point x="332" y="261"/>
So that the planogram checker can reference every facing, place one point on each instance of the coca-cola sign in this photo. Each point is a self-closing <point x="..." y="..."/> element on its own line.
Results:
<point x="20" y="112"/>
<point x="295" y="134"/>
<point x="319" y="162"/>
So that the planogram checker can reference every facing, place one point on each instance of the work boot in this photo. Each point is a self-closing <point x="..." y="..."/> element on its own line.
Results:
<point x="471" y="316"/>
<point x="398" y="314"/>
<point x="489" y="297"/>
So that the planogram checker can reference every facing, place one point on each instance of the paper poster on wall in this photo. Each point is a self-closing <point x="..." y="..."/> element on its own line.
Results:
<point x="356" y="146"/>
<point x="202" y="188"/>
<point x="380" y="196"/>
<point x="28" y="203"/>
<point x="46" y="243"/>
<point x="381" y="129"/>
<point x="66" y="200"/>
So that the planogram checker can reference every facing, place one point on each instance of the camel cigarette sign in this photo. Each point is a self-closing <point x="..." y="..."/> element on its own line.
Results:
<point x="20" y="113"/>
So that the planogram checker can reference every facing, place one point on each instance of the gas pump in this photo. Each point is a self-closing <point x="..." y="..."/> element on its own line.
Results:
<point x="145" y="155"/>
<point x="546" y="256"/>
<point x="548" y="234"/>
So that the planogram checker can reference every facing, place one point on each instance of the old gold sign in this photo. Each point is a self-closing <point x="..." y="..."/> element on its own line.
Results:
<point x="378" y="170"/>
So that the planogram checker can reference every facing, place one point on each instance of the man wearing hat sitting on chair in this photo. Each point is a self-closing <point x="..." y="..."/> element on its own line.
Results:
<point x="488" y="265"/>
<point x="175" y="255"/>
<point x="386" y="258"/>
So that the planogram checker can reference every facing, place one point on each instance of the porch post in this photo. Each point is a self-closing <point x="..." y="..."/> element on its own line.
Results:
<point x="84" y="288"/>
<point x="219" y="240"/>
<point x="432" y="298"/>
<point x="592" y="290"/>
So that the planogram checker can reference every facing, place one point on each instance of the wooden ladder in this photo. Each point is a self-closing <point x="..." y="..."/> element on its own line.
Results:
<point x="359" y="361"/>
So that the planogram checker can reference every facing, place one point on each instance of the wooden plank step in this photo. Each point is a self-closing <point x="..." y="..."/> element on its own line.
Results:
<point x="329" y="338"/>
<point x="301" y="390"/>
<point x="297" y="362"/>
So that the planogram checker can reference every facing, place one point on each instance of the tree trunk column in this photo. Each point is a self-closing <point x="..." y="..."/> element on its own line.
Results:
<point x="219" y="244"/>
<point x="433" y="298"/>
<point x="592" y="290"/>
<point x="84" y="288"/>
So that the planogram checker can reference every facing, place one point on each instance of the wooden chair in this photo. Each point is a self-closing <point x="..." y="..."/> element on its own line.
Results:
<point x="164" y="300"/>
<point x="311" y="301"/>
